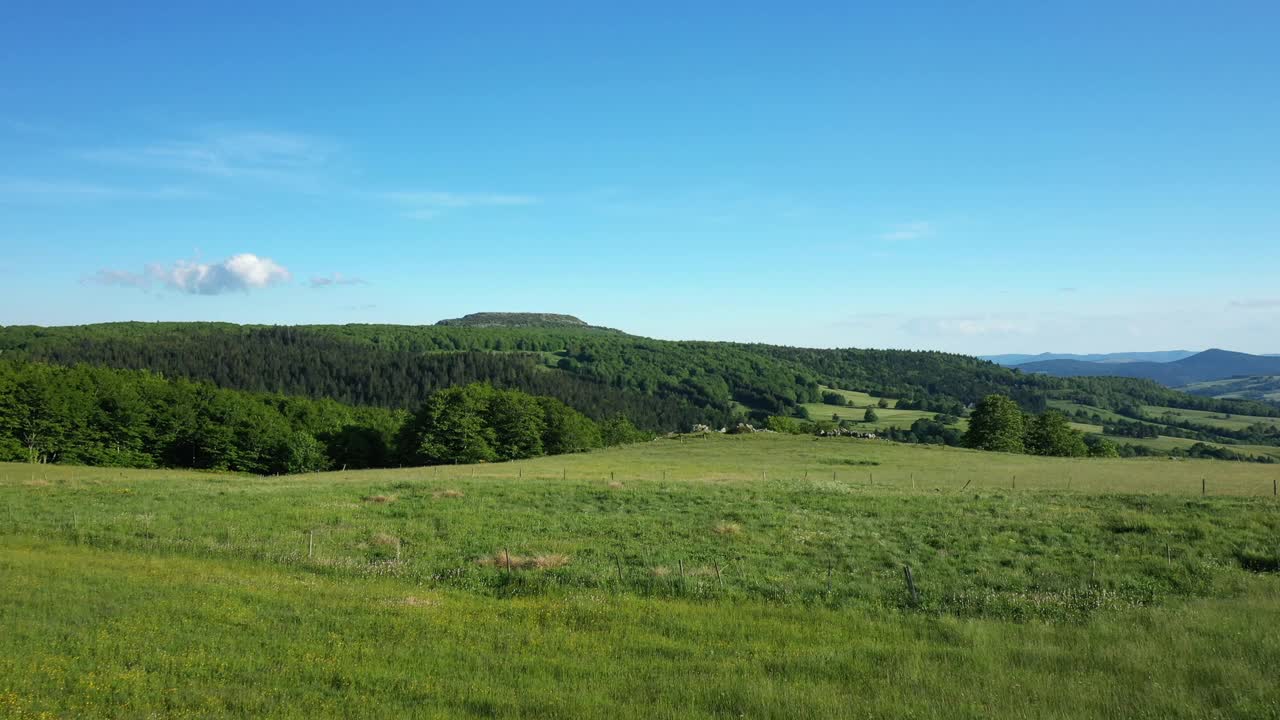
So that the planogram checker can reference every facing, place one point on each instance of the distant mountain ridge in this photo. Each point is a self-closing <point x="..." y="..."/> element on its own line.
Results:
<point x="1209" y="365"/>
<point x="1159" y="356"/>
<point x="516" y="320"/>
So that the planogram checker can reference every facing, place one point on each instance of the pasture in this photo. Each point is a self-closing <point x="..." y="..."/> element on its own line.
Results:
<point x="756" y="576"/>
<point x="1156" y="413"/>
<point x="886" y="417"/>
<point x="1226" y="421"/>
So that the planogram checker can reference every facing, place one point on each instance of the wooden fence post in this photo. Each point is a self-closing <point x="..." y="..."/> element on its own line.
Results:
<point x="1203" y="487"/>
<point x="618" y="558"/>
<point x="911" y="585"/>
<point x="311" y="542"/>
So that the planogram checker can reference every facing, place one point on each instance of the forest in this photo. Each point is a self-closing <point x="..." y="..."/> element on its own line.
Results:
<point x="90" y="415"/>
<point x="659" y="385"/>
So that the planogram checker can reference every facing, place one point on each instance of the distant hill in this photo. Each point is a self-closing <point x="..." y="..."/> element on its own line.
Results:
<point x="1258" y="387"/>
<point x="516" y="320"/>
<point x="658" y="384"/>
<point x="1159" y="356"/>
<point x="1201" y="367"/>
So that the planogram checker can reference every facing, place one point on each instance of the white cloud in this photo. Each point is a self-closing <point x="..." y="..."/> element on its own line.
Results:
<point x="335" y="279"/>
<point x="909" y="231"/>
<point x="426" y="205"/>
<point x="242" y="273"/>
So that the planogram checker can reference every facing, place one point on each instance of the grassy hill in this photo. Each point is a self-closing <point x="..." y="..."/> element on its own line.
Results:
<point x="1265" y="388"/>
<point x="886" y="417"/>
<point x="1169" y="421"/>
<point x="756" y="576"/>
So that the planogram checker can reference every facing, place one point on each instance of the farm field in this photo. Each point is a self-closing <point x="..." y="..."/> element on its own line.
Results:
<point x="886" y="417"/>
<point x="1202" y="417"/>
<point x="757" y="576"/>
<point x="1258" y="387"/>
<point x="1165" y="442"/>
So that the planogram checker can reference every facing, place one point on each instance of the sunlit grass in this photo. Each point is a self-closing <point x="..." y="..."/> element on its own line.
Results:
<point x="698" y="577"/>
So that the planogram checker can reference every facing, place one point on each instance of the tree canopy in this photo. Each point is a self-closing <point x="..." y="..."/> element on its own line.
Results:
<point x="996" y="424"/>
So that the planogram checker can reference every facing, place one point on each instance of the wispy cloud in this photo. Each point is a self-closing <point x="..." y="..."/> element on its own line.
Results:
<point x="968" y="326"/>
<point x="40" y="190"/>
<point x="1257" y="304"/>
<point x="334" y="280"/>
<point x="238" y="273"/>
<point x="425" y="205"/>
<point x="256" y="155"/>
<point x="909" y="231"/>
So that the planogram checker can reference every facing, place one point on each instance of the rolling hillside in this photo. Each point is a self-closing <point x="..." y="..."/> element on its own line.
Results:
<point x="660" y="385"/>
<point x="1259" y="387"/>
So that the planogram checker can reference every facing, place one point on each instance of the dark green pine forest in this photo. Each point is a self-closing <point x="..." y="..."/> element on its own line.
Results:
<point x="271" y="399"/>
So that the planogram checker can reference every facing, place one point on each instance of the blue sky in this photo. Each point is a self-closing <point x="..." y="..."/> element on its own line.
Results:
<point x="977" y="177"/>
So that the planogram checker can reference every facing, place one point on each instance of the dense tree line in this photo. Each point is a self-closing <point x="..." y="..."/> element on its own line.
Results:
<point x="1131" y="429"/>
<point x="91" y="415"/>
<point x="478" y="423"/>
<point x="99" y="416"/>
<point x="924" y="380"/>
<point x="998" y="424"/>
<point x="328" y="365"/>
<point x="660" y="385"/>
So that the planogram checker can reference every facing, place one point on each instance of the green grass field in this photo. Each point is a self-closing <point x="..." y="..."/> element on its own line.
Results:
<point x="886" y="417"/>
<point x="1203" y="417"/>
<point x="743" y="576"/>
<point x="1166" y="442"/>
<point x="1259" y="387"/>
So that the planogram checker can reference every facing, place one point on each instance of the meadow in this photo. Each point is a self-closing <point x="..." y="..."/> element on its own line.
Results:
<point x="1227" y="421"/>
<point x="702" y="576"/>
<point x="885" y="417"/>
<point x="1155" y="413"/>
